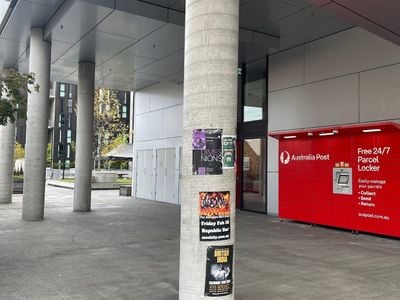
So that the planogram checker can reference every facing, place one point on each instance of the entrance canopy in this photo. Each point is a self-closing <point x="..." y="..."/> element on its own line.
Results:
<point x="122" y="152"/>
<point x="137" y="43"/>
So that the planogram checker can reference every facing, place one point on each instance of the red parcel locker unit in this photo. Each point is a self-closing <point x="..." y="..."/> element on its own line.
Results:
<point x="343" y="176"/>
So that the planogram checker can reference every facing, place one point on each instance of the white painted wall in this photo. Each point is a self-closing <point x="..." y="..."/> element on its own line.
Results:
<point x="158" y="125"/>
<point x="349" y="77"/>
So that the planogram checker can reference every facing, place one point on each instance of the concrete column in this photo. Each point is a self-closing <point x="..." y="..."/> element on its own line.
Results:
<point x="7" y="145"/>
<point x="210" y="101"/>
<point x="84" y="137"/>
<point x="37" y="129"/>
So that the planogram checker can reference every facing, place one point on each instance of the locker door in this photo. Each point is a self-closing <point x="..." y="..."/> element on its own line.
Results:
<point x="140" y="178"/>
<point x="160" y="175"/>
<point x="149" y="185"/>
<point x="169" y="190"/>
<point x="144" y="174"/>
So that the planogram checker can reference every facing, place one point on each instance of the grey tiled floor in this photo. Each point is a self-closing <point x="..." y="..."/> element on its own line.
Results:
<point x="129" y="249"/>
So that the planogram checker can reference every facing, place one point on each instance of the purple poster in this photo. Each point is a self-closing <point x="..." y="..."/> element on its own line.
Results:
<point x="207" y="151"/>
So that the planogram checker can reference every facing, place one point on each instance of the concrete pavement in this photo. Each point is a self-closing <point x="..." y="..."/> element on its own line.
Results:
<point x="129" y="249"/>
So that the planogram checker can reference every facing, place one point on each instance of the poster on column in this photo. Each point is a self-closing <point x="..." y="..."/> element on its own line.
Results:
<point x="207" y="151"/>
<point x="215" y="221"/>
<point x="219" y="271"/>
<point x="228" y="151"/>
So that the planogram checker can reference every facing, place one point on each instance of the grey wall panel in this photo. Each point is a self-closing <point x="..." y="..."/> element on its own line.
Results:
<point x="149" y="126"/>
<point x="327" y="102"/>
<point x="272" y="154"/>
<point x="380" y="94"/>
<point x="286" y="69"/>
<point x="350" y="51"/>
<point x="165" y="95"/>
<point x="172" y="121"/>
<point x="142" y="102"/>
<point x="272" y="193"/>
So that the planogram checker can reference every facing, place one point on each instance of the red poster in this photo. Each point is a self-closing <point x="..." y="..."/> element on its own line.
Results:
<point x="348" y="180"/>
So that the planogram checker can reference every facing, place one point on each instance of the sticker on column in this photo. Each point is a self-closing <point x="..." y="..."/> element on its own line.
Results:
<point x="229" y="151"/>
<point x="215" y="220"/>
<point x="207" y="151"/>
<point x="219" y="271"/>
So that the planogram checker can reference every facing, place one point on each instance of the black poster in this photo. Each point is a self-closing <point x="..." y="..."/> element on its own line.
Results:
<point x="207" y="151"/>
<point x="215" y="212"/>
<point x="219" y="268"/>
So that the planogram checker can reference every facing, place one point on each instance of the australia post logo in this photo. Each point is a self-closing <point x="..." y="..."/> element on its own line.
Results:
<point x="285" y="157"/>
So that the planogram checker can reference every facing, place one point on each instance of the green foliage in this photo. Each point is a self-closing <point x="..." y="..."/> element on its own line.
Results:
<point x="107" y="122"/>
<point x="19" y="151"/>
<point x="48" y="154"/>
<point x="121" y="139"/>
<point x="124" y="180"/>
<point x="14" y="89"/>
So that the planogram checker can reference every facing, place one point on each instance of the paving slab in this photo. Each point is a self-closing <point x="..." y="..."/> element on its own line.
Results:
<point x="128" y="248"/>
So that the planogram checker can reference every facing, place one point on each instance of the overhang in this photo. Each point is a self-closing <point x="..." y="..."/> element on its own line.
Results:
<point x="137" y="43"/>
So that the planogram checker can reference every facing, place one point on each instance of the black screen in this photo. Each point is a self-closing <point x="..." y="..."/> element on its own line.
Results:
<point x="343" y="179"/>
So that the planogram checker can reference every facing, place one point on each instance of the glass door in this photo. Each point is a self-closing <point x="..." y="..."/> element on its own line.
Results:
<point x="254" y="175"/>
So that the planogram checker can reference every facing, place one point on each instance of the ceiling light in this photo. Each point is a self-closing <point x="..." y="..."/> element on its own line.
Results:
<point x="290" y="137"/>
<point x="372" y="130"/>
<point x="326" y="133"/>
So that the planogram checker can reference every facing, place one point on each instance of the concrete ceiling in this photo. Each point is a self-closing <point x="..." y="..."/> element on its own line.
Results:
<point x="379" y="17"/>
<point x="136" y="43"/>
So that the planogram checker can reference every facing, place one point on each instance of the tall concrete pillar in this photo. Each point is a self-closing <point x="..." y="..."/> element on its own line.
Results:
<point x="210" y="101"/>
<point x="37" y="129"/>
<point x="84" y="137"/>
<point x="7" y="145"/>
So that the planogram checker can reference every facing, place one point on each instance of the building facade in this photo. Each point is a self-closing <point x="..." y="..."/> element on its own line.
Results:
<point x="245" y="68"/>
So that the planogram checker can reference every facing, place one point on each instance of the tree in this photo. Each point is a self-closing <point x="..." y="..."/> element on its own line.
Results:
<point x="49" y="151"/>
<point x="14" y="89"/>
<point x="107" y="120"/>
<point x="121" y="139"/>
<point x="19" y="151"/>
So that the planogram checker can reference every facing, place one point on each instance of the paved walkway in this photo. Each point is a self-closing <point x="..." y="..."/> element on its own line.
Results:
<point x="129" y="249"/>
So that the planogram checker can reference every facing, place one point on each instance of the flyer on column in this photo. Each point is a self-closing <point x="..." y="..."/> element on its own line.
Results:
<point x="215" y="221"/>
<point x="219" y="271"/>
<point x="229" y="151"/>
<point x="207" y="151"/>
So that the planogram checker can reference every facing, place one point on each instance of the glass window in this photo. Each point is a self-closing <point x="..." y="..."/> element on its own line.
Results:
<point x="69" y="136"/>
<point x="62" y="90"/>
<point x="255" y="91"/>
<point x="254" y="175"/>
<point x="69" y="106"/>
<point x="69" y="120"/>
